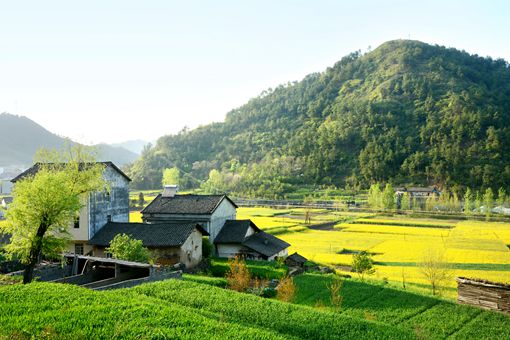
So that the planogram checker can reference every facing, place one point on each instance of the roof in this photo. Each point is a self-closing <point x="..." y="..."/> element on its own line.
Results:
<point x="7" y="199"/>
<point x="265" y="244"/>
<point x="114" y="261"/>
<point x="297" y="258"/>
<point x="234" y="231"/>
<point x="151" y="235"/>
<point x="36" y="167"/>
<point x="185" y="204"/>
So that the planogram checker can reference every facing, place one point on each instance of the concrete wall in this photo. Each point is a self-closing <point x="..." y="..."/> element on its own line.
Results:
<point x="49" y="272"/>
<point x="116" y="204"/>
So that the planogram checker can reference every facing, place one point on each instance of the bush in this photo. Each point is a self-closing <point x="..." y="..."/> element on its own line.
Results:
<point x="286" y="289"/>
<point x="207" y="247"/>
<point x="123" y="247"/>
<point x="238" y="276"/>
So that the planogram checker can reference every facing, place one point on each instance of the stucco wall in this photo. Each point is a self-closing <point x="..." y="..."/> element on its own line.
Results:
<point x="225" y="211"/>
<point x="191" y="250"/>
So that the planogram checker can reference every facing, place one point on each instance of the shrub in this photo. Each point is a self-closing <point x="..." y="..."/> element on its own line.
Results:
<point x="207" y="248"/>
<point x="362" y="264"/>
<point x="335" y="290"/>
<point x="286" y="289"/>
<point x="238" y="276"/>
<point x="123" y="247"/>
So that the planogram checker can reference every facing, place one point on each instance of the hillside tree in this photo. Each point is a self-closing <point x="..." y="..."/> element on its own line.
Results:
<point x="363" y="264"/>
<point x="45" y="205"/>
<point x="388" y="197"/>
<point x="488" y="201"/>
<point x="171" y="176"/>
<point x="501" y="197"/>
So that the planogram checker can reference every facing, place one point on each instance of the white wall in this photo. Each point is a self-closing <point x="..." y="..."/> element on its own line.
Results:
<point x="191" y="250"/>
<point x="225" y="211"/>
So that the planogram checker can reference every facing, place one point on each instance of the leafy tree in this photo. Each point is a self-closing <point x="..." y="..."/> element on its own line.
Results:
<point x="141" y="200"/>
<point x="405" y="201"/>
<point x="171" y="176"/>
<point x="468" y="202"/>
<point x="388" y="197"/>
<point x="124" y="247"/>
<point x="46" y="204"/>
<point x="363" y="264"/>
<point x="501" y="197"/>
<point x="488" y="200"/>
<point x="478" y="202"/>
<point x="215" y="184"/>
<point x="375" y="196"/>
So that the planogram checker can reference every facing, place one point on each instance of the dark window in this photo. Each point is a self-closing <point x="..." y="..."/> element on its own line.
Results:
<point x="77" y="222"/>
<point x="108" y="255"/>
<point x="108" y="218"/>
<point x="78" y="248"/>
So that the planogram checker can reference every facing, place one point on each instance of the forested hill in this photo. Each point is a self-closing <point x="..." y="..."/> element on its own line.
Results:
<point x="407" y="112"/>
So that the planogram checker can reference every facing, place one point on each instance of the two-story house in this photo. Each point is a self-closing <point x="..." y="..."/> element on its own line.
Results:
<point x="98" y="209"/>
<point x="210" y="211"/>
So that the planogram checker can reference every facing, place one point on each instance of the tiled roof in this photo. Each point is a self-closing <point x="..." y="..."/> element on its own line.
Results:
<point x="36" y="167"/>
<point x="234" y="231"/>
<point x="151" y="235"/>
<point x="265" y="244"/>
<point x="297" y="258"/>
<point x="186" y="204"/>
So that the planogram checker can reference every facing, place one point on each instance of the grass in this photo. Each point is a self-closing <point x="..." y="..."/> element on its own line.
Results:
<point x="259" y="269"/>
<point x="171" y="309"/>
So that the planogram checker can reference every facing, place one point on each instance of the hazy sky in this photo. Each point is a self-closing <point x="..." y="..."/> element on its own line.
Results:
<point x="108" y="71"/>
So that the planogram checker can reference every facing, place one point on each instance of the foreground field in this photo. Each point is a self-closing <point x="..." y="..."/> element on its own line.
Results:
<point x="473" y="248"/>
<point x="190" y="310"/>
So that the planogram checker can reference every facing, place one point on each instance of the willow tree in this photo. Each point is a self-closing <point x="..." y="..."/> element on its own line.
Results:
<point x="46" y="203"/>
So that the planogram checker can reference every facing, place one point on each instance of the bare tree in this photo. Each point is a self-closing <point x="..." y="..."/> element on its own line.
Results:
<point x="435" y="268"/>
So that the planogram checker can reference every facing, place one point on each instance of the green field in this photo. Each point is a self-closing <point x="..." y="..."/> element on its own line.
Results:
<point x="187" y="309"/>
<point x="476" y="249"/>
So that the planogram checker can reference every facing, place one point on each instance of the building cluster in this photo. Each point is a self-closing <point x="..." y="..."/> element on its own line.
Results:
<point x="173" y="226"/>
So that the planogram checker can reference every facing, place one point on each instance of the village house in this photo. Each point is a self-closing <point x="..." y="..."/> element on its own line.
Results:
<point x="295" y="260"/>
<point x="168" y="243"/>
<point x="244" y="238"/>
<point x="98" y="209"/>
<point x="418" y="192"/>
<point x="210" y="211"/>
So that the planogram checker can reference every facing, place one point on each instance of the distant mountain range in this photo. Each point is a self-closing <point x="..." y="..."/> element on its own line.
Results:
<point x="21" y="137"/>
<point x="134" y="145"/>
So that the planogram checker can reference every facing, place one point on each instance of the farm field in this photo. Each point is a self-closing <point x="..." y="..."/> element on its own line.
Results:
<point x="473" y="248"/>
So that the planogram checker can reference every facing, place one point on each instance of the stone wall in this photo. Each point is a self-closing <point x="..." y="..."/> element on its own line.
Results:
<point x="484" y="294"/>
<point x="48" y="272"/>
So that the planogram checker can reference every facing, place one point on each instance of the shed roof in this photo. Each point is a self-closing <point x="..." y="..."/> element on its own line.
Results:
<point x="234" y="231"/>
<point x="186" y="204"/>
<point x="265" y="244"/>
<point x="34" y="169"/>
<point x="151" y="235"/>
<point x="297" y="258"/>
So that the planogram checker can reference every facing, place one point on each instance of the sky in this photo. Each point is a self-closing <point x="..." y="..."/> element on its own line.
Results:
<point x="110" y="71"/>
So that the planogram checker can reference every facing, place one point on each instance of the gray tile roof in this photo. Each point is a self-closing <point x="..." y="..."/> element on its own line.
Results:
<point x="186" y="204"/>
<point x="151" y="235"/>
<point x="265" y="244"/>
<point x="36" y="167"/>
<point x="297" y="258"/>
<point x="234" y="231"/>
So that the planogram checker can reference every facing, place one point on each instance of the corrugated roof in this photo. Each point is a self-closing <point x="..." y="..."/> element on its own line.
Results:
<point x="186" y="204"/>
<point x="151" y="235"/>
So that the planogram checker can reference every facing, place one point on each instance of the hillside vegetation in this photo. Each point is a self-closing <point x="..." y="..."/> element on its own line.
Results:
<point x="407" y="112"/>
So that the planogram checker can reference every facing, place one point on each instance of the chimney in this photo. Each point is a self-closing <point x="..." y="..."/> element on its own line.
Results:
<point x="169" y="190"/>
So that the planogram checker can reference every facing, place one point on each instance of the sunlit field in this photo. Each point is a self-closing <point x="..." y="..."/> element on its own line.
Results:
<point x="473" y="249"/>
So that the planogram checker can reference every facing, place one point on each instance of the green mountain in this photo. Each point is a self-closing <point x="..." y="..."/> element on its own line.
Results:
<point x="21" y="137"/>
<point x="407" y="112"/>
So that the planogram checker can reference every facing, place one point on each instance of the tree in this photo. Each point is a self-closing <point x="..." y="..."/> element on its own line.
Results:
<point x="435" y="268"/>
<point x="171" y="176"/>
<point x="488" y="201"/>
<point x="478" y="202"/>
<point x="374" y="196"/>
<point x="238" y="277"/>
<point x="141" y="200"/>
<point x="468" y="202"/>
<point x="45" y="204"/>
<point x="501" y="197"/>
<point x="335" y="291"/>
<point x="363" y="264"/>
<point x="405" y="201"/>
<point x="123" y="247"/>
<point x="388" y="197"/>
<point x="215" y="184"/>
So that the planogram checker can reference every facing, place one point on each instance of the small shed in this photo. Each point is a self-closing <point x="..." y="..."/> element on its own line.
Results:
<point x="484" y="294"/>
<point x="295" y="260"/>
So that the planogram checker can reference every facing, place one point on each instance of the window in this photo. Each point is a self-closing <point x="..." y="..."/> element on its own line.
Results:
<point x="77" y="222"/>
<point x="78" y="248"/>
<point x="108" y="218"/>
<point x="108" y="255"/>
